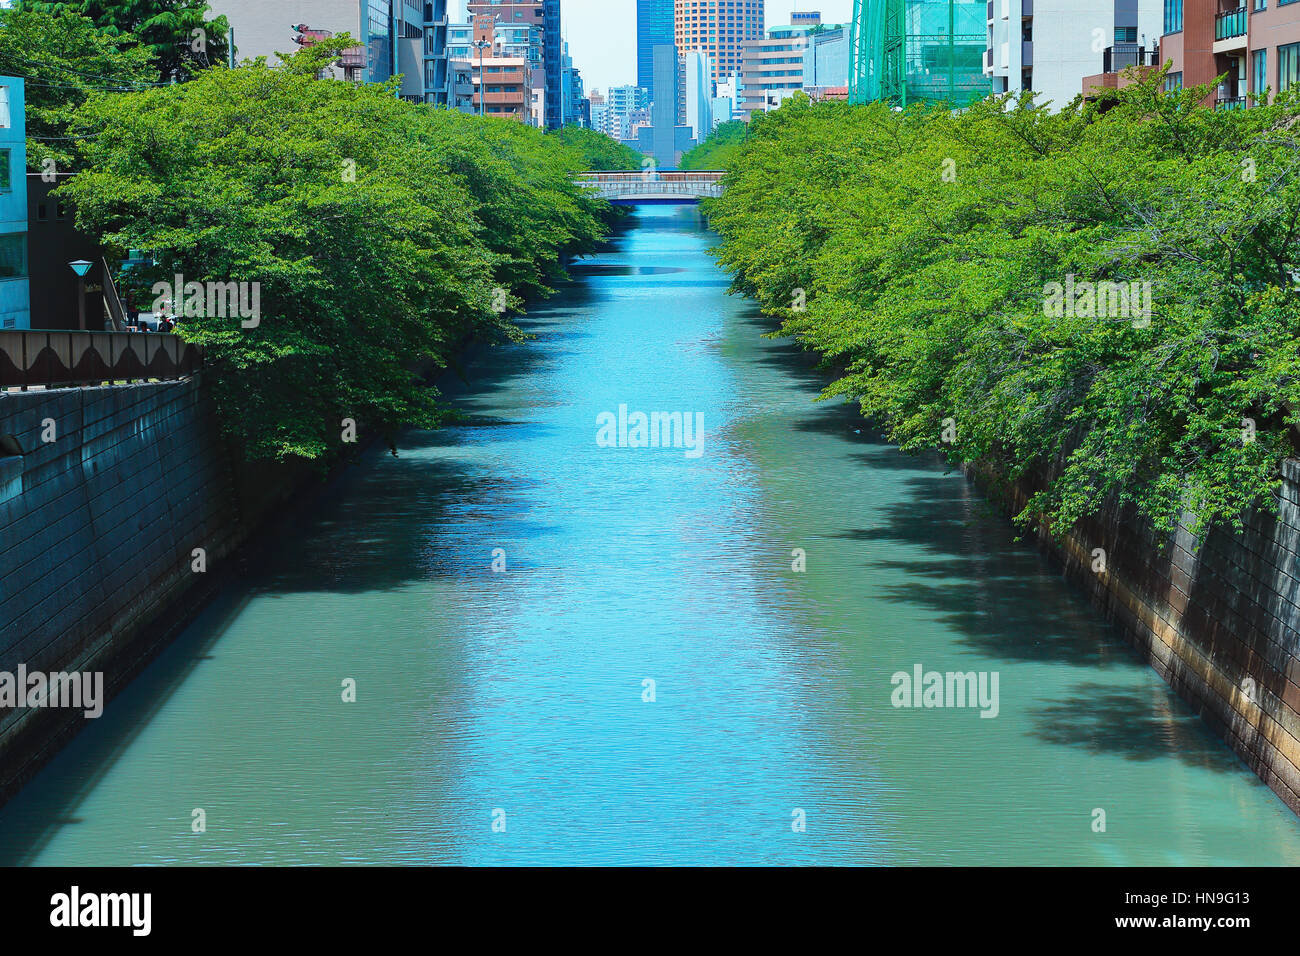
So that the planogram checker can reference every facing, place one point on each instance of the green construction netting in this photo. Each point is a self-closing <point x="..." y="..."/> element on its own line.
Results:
<point x="910" y="51"/>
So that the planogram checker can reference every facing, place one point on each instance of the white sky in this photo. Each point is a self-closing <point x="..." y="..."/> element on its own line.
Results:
<point x="602" y="33"/>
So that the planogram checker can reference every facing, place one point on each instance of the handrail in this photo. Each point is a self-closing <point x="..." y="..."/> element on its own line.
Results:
<point x="32" y="358"/>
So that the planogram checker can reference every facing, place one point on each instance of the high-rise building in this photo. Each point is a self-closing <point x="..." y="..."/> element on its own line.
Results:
<point x="654" y="27"/>
<point x="622" y="104"/>
<point x="698" y="94"/>
<point x="718" y="28"/>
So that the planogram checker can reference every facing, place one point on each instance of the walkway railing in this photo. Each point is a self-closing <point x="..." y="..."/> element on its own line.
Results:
<point x="32" y="358"/>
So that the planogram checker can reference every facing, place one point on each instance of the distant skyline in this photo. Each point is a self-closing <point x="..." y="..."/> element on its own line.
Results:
<point x="602" y="33"/>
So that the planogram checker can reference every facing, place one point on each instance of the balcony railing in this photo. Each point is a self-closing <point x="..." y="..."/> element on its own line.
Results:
<point x="1121" y="56"/>
<point x="1230" y="103"/>
<point x="1229" y="25"/>
<point x="33" y="358"/>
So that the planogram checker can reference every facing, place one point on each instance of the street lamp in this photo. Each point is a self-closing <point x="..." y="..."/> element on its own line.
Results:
<point x="482" y="83"/>
<point x="81" y="267"/>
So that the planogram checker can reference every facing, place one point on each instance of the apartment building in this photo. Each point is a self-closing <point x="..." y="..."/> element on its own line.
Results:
<point x="623" y="104"/>
<point x="1050" y="46"/>
<point x="718" y="28"/>
<point x="772" y="69"/>
<point x="1254" y="46"/>
<point x="545" y="15"/>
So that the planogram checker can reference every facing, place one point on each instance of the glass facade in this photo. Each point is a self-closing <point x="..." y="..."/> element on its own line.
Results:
<point x="1259" y="72"/>
<point x="379" y="39"/>
<point x="654" y="25"/>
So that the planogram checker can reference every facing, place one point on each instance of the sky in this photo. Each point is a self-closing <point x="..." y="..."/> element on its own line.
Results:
<point x="602" y="33"/>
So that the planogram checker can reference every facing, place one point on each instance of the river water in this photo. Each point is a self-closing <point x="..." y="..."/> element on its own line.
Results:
<point x="644" y="677"/>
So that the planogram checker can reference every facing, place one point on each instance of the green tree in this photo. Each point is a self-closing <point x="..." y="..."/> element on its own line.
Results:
<point x="63" y="58"/>
<point x="381" y="235"/>
<point x="928" y="256"/>
<point x="596" y="152"/>
<point x="177" y="33"/>
<point x="720" y="150"/>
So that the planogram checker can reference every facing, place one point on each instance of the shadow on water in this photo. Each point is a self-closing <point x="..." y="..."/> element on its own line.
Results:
<point x="1000" y="594"/>
<point x="127" y="717"/>
<point x="1133" y="724"/>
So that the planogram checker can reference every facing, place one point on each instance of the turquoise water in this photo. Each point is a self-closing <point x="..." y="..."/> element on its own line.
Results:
<point x="520" y="695"/>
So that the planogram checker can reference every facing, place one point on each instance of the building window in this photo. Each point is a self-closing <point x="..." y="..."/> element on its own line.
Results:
<point x="1122" y="35"/>
<point x="1173" y="81"/>
<point x="1288" y="66"/>
<point x="1173" y="16"/>
<point x="1259" y="73"/>
<point x="5" y="121"/>
<point x="13" y="256"/>
<point x="1259" y="5"/>
<point x="6" y="182"/>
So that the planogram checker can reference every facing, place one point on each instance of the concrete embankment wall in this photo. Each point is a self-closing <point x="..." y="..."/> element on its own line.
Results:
<point x="1218" y="618"/>
<point x="98" y="529"/>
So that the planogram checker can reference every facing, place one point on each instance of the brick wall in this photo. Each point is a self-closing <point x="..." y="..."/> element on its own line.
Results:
<point x="1217" y="617"/>
<point x="97" y="531"/>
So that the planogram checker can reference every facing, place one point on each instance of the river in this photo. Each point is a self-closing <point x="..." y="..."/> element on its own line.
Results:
<point x="571" y="653"/>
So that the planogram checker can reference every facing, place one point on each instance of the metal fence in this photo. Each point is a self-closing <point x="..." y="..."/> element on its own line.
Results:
<point x="32" y="358"/>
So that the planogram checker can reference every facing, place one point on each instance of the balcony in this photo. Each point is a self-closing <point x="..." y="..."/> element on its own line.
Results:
<point x="1230" y="103"/>
<point x="1229" y="25"/>
<point x="1121" y="56"/>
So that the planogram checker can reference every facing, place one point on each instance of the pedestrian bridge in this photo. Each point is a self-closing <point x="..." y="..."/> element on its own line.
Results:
<point x="653" y="187"/>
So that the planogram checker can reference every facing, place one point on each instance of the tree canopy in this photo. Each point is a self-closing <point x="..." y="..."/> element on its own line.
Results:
<point x="720" y="150"/>
<point x="1099" y="302"/>
<point x="178" y="34"/>
<point x="380" y="234"/>
<point x="63" y="58"/>
<point x="596" y="152"/>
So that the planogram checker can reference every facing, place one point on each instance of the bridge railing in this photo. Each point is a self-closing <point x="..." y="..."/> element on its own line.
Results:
<point x="650" y="176"/>
<point x="653" y="184"/>
<point x="35" y="358"/>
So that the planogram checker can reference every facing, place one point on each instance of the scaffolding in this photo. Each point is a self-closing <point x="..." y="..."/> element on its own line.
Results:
<point x="918" y="51"/>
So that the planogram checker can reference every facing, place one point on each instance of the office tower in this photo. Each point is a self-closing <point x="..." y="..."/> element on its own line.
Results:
<point x="654" y="27"/>
<point x="718" y="28"/>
